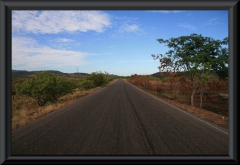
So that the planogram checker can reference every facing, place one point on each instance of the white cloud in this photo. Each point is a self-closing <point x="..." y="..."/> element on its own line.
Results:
<point x="130" y="28"/>
<point x="167" y="11"/>
<point x="101" y="54"/>
<point x="124" y="26"/>
<point x="64" y="40"/>
<point x="124" y="19"/>
<point x="188" y="26"/>
<point x="213" y="21"/>
<point x="126" y="29"/>
<point x="27" y="54"/>
<point x="136" y="61"/>
<point x="52" y="22"/>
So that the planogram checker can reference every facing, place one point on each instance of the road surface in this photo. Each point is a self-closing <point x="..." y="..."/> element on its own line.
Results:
<point x="119" y="119"/>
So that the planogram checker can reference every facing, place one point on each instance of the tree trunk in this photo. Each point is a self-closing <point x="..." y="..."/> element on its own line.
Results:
<point x="201" y="96"/>
<point x="178" y="89"/>
<point x="192" y="96"/>
<point x="13" y="94"/>
<point x="200" y="100"/>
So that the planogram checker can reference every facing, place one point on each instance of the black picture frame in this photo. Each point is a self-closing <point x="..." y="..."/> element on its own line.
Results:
<point x="6" y="7"/>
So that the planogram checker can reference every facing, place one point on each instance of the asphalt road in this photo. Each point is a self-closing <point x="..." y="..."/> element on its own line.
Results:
<point x="119" y="119"/>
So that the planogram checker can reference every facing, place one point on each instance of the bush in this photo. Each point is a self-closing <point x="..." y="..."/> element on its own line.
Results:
<point x="46" y="87"/>
<point x="143" y="81"/>
<point x="86" y="84"/>
<point x="63" y="87"/>
<point x="96" y="79"/>
<point x="99" y="78"/>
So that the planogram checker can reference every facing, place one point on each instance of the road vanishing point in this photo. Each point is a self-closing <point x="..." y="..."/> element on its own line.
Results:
<point x="119" y="119"/>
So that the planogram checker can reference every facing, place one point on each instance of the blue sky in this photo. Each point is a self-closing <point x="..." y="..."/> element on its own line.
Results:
<point x="118" y="42"/>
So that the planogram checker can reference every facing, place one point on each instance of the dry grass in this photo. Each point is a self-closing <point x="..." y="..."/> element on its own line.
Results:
<point x="25" y="110"/>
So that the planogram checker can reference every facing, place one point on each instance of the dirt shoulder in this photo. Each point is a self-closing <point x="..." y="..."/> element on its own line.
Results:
<point x="215" y="119"/>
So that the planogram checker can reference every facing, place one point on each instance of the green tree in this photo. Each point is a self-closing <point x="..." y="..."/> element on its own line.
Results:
<point x="189" y="54"/>
<point x="45" y="87"/>
<point x="99" y="78"/>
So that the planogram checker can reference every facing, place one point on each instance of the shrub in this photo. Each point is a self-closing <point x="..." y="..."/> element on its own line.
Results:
<point x="45" y="87"/>
<point x="86" y="84"/>
<point x="99" y="78"/>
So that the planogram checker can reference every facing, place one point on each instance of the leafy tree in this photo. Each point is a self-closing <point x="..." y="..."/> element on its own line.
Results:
<point x="45" y="87"/>
<point x="99" y="78"/>
<point x="94" y="80"/>
<point x="189" y="54"/>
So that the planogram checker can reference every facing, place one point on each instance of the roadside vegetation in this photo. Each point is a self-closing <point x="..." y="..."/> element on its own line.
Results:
<point x="193" y="59"/>
<point x="214" y="98"/>
<point x="193" y="72"/>
<point x="42" y="93"/>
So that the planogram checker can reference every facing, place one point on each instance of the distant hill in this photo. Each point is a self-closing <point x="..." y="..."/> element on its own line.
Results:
<point x="160" y="74"/>
<point x="25" y="73"/>
<point x="113" y="75"/>
<point x="157" y="74"/>
<point x="21" y="73"/>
